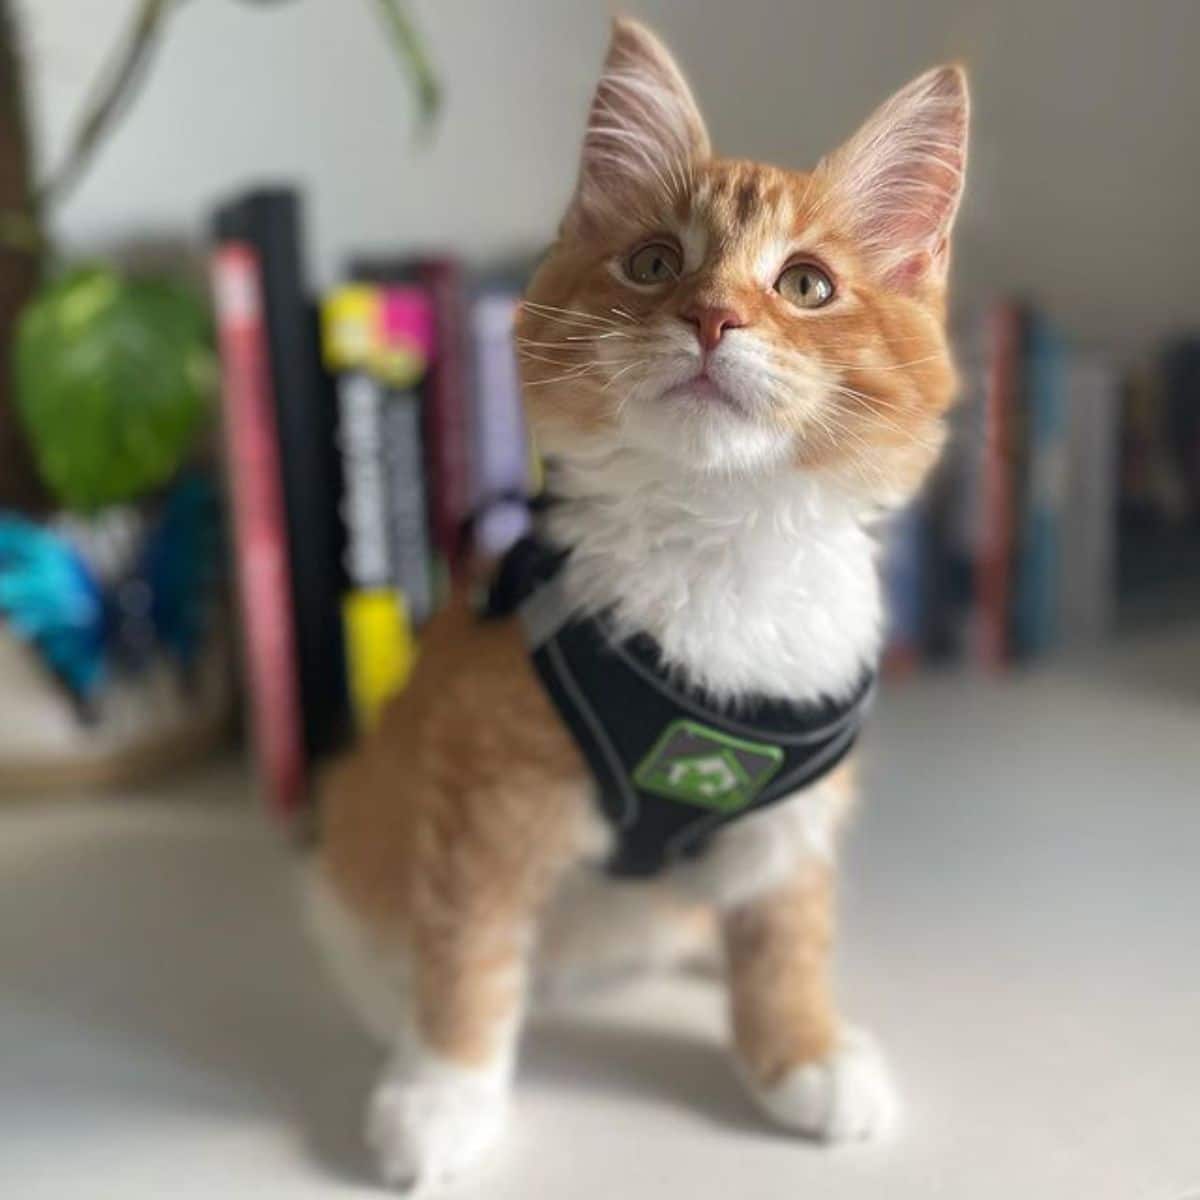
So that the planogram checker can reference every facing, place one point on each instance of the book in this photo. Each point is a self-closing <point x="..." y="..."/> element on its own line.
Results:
<point x="1180" y="372"/>
<point x="258" y="514"/>
<point x="956" y="513"/>
<point x="447" y="431"/>
<point x="375" y="619"/>
<point x="406" y="317"/>
<point x="502" y="475"/>
<point x="446" y="405"/>
<point x="1040" y="501"/>
<point x="1088" y="577"/>
<point x="905" y="545"/>
<point x="309" y="464"/>
<point x="992" y="575"/>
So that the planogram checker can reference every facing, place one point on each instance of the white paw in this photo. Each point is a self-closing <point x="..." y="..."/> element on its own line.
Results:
<point x="429" y="1123"/>
<point x="846" y="1097"/>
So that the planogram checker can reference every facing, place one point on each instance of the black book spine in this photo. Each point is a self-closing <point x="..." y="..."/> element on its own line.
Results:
<point x="310" y="467"/>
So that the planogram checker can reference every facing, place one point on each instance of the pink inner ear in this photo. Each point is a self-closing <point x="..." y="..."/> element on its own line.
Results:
<point x="644" y="129"/>
<point x="901" y="176"/>
<point x="907" y="274"/>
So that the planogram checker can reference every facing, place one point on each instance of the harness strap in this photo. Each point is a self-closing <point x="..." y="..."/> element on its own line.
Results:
<point x="671" y="766"/>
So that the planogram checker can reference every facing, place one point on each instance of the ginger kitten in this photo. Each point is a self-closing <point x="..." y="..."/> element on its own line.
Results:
<point x="735" y="369"/>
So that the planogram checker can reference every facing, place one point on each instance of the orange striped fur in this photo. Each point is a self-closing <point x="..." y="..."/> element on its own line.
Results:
<point x="449" y="831"/>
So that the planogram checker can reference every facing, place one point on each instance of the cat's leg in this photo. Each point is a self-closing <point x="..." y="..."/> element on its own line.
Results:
<point x="480" y="869"/>
<point x="443" y="1096"/>
<point x="446" y="1006"/>
<point x="429" y="927"/>
<point x="442" y="833"/>
<point x="807" y="1070"/>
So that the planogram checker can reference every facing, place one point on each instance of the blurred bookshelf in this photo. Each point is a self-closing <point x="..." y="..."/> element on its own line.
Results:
<point x="368" y="427"/>
<point x="363" y="429"/>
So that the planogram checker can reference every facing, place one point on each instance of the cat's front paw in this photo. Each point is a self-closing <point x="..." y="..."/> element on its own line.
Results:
<point x="846" y="1096"/>
<point x="430" y="1123"/>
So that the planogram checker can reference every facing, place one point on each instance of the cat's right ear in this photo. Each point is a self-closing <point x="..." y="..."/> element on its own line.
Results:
<point x="644" y="132"/>
<point x="900" y="178"/>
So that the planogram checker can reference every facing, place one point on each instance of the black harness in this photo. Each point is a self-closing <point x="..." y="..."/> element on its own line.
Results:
<point x="671" y="766"/>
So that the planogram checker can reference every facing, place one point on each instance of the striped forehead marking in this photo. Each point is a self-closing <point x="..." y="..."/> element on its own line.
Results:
<point x="746" y="216"/>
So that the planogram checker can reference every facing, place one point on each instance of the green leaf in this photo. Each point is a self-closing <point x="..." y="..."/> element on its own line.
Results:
<point x="114" y="378"/>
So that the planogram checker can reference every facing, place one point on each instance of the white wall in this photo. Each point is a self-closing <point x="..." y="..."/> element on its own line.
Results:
<point x="1085" y="185"/>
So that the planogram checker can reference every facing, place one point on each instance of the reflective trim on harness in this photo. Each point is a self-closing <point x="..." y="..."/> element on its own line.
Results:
<point x="671" y="766"/>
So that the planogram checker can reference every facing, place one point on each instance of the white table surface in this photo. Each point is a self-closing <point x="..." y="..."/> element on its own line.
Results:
<point x="1021" y="927"/>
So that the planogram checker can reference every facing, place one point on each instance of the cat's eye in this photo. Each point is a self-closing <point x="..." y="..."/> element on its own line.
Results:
<point x="805" y="285"/>
<point x="656" y="262"/>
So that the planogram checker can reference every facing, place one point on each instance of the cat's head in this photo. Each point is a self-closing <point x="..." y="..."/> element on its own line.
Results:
<point x="728" y="316"/>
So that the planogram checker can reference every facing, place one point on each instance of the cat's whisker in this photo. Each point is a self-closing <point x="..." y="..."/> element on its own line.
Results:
<point x="553" y="362"/>
<point x="870" y="370"/>
<point x="839" y="428"/>
<point x="637" y="362"/>
<point x="876" y="415"/>
<point x="836" y="431"/>
<point x="874" y="404"/>
<point x="571" y="323"/>
<point x="566" y="377"/>
<point x="569" y="376"/>
<point x="577" y="315"/>
<point x="861" y="459"/>
<point x="559" y="345"/>
<point x="572" y="342"/>
<point x="541" y="306"/>
<point x="589" y="364"/>
<point x="907" y="435"/>
<point x="588" y="370"/>
<point x="806" y="363"/>
<point x="783" y="394"/>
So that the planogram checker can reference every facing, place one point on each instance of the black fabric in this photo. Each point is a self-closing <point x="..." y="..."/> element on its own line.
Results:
<point x="644" y="735"/>
<point x="527" y="565"/>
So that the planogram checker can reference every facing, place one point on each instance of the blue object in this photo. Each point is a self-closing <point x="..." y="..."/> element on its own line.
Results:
<point x="179" y="566"/>
<point x="52" y="600"/>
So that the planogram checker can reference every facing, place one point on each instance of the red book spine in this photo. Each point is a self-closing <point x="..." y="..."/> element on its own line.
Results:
<point x="993" y="582"/>
<point x="252" y="451"/>
<point x="446" y="416"/>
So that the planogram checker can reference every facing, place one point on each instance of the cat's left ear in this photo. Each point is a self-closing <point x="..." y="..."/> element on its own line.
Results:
<point x="899" y="180"/>
<point x="644" y="131"/>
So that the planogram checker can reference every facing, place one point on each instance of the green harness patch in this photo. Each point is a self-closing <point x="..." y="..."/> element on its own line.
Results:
<point x="697" y="765"/>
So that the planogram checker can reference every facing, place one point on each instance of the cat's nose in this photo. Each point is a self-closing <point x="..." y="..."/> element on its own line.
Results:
<point x="710" y="322"/>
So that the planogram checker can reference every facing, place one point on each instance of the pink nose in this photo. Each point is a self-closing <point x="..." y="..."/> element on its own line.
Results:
<point x="711" y="322"/>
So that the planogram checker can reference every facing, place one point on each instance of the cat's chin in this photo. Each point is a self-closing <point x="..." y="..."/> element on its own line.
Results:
<point x="699" y="427"/>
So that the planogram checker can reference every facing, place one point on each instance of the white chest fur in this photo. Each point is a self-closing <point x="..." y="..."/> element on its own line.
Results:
<point x="765" y="585"/>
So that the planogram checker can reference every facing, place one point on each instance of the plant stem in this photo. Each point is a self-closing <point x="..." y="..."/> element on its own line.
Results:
<point x="117" y="87"/>
<point x="411" y="50"/>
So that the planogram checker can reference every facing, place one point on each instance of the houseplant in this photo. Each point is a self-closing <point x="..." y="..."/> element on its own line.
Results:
<point x="107" y="383"/>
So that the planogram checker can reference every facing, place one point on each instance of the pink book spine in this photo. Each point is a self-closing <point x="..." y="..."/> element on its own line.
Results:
<point x="263" y="574"/>
<point x="447" y="421"/>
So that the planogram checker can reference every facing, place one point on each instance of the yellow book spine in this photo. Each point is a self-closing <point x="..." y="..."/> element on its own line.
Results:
<point x="380" y="650"/>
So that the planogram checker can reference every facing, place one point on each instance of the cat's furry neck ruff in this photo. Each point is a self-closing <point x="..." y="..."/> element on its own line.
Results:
<point x="763" y="585"/>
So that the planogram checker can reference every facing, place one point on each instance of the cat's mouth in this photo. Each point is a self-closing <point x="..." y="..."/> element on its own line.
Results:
<point x="702" y="389"/>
